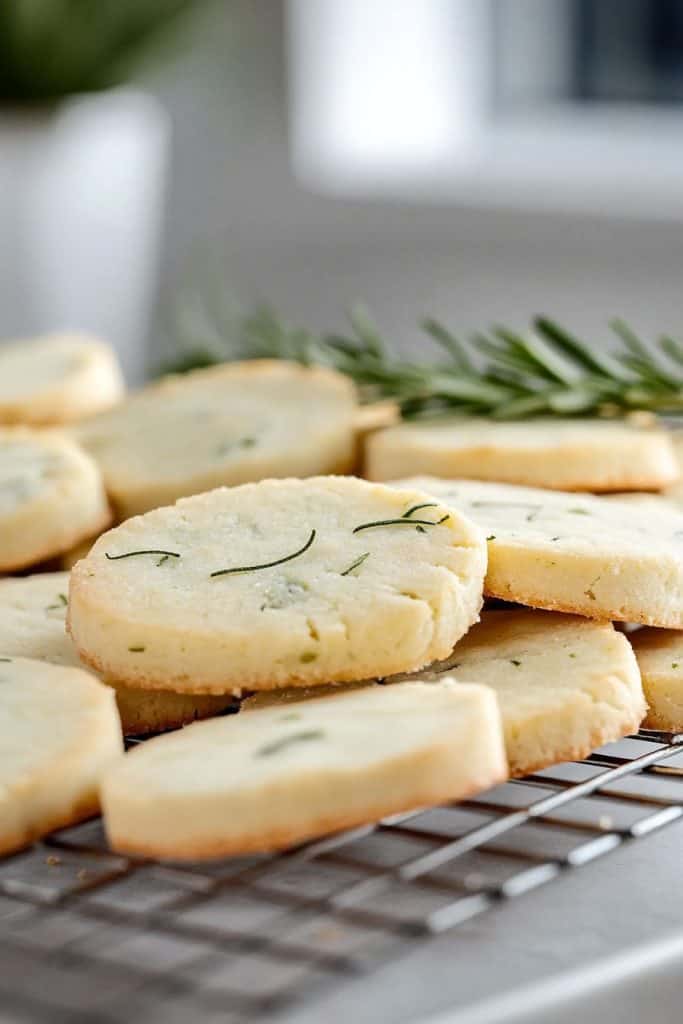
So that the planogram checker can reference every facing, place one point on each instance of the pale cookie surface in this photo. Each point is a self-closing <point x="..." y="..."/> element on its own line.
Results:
<point x="565" y="685"/>
<point x="32" y="625"/>
<point x="223" y="425"/>
<point x="575" y="553"/>
<point x="51" y="497"/>
<point x="660" y="657"/>
<point x="56" y="379"/>
<point x="279" y="776"/>
<point x="571" y="455"/>
<point x="284" y="582"/>
<point x="59" y="730"/>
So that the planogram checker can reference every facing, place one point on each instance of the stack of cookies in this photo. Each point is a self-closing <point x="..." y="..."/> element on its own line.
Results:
<point x="340" y="617"/>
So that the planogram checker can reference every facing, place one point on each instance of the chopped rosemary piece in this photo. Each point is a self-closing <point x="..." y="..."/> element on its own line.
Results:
<point x="515" y="662"/>
<point x="137" y="650"/>
<point x="400" y="522"/>
<point x="288" y="741"/>
<point x="674" y="664"/>
<point x="307" y="657"/>
<point x="420" y="529"/>
<point x="61" y="602"/>
<point x="354" y="565"/>
<point x="265" y="565"/>
<point x="579" y="511"/>
<point x="8" y="660"/>
<point x="491" y="536"/>
<point x="144" y="551"/>
<point x="229" y="446"/>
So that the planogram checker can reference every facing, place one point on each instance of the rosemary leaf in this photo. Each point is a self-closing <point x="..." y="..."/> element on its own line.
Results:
<point x="265" y="565"/>
<point x="400" y="522"/>
<point x="289" y="741"/>
<point x="146" y="551"/>
<point x="354" y="565"/>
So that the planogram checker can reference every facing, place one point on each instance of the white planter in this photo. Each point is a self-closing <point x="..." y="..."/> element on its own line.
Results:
<point x="81" y="198"/>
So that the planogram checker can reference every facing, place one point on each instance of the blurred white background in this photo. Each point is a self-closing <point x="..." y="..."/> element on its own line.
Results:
<point x="509" y="180"/>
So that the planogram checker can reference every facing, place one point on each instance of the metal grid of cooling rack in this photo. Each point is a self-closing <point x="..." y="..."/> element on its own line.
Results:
<point x="86" y="935"/>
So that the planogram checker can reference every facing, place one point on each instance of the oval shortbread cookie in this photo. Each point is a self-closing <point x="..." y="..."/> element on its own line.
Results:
<point x="280" y="776"/>
<point x="570" y="455"/>
<point x="565" y="685"/>
<point x="57" y="378"/>
<point x="660" y="657"/>
<point x="285" y="582"/>
<point x="224" y="425"/>
<point x="32" y="625"/>
<point x="59" y="730"/>
<point x="574" y="553"/>
<point x="51" y="497"/>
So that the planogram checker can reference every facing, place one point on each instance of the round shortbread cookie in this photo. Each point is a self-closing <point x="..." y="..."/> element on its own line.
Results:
<point x="32" y="625"/>
<point x="570" y="455"/>
<point x="280" y="776"/>
<point x="660" y="657"/>
<point x="592" y="556"/>
<point x="227" y="424"/>
<point x="51" y="497"/>
<point x="59" y="730"/>
<point x="57" y="378"/>
<point x="565" y="685"/>
<point x="284" y="582"/>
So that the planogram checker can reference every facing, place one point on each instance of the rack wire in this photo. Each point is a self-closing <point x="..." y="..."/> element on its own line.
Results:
<point x="86" y="935"/>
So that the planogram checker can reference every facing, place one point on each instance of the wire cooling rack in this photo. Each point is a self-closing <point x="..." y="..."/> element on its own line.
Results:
<point x="86" y="935"/>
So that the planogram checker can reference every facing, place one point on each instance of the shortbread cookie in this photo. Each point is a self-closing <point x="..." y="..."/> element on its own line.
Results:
<point x="57" y="378"/>
<point x="59" y="731"/>
<point x="284" y="582"/>
<point x="570" y="455"/>
<point x="32" y="625"/>
<point x="272" y="778"/>
<point x="565" y="685"/>
<point x="660" y="657"/>
<point x="51" y="497"/>
<point x="224" y="425"/>
<point x="574" y="553"/>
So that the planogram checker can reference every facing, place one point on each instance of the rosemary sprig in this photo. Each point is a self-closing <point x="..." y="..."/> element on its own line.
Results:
<point x="265" y="565"/>
<point x="500" y="373"/>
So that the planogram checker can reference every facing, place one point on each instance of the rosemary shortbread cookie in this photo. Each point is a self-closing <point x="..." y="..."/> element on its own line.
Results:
<point x="32" y="625"/>
<point x="59" y="731"/>
<point x="51" y="497"/>
<point x="570" y="455"/>
<point x="279" y="776"/>
<point x="284" y="582"/>
<point x="57" y="378"/>
<point x="227" y="424"/>
<point x="574" y="553"/>
<point x="660" y="657"/>
<point x="565" y="685"/>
